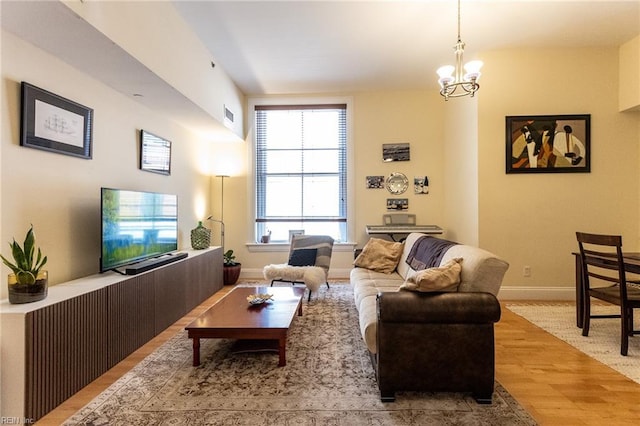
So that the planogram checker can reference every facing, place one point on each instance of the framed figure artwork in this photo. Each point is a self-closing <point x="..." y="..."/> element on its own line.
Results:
<point x="548" y="144"/>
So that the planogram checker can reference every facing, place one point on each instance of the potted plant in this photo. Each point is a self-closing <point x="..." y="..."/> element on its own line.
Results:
<point x="28" y="282"/>
<point x="231" y="269"/>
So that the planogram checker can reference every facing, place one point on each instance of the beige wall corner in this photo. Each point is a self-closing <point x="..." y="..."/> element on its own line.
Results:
<point x="629" y="76"/>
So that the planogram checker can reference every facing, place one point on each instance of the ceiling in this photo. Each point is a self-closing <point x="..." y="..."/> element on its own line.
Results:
<point x="301" y="47"/>
<point x="55" y="28"/>
<point x="284" y="47"/>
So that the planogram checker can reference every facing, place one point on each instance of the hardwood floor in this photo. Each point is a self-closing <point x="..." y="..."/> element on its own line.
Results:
<point x="555" y="383"/>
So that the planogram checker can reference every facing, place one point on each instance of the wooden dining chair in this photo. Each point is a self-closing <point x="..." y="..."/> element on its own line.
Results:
<point x="602" y="261"/>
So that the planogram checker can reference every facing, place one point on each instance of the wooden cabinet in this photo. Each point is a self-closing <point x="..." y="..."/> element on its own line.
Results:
<point x="86" y="326"/>
<point x="130" y="315"/>
<point x="170" y="294"/>
<point x="198" y="284"/>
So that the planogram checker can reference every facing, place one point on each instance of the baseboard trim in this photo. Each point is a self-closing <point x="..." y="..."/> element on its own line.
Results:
<point x="506" y="292"/>
<point x="537" y="293"/>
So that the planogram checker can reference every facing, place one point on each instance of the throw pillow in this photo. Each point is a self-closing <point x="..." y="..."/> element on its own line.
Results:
<point x="380" y="255"/>
<point x="303" y="257"/>
<point x="441" y="278"/>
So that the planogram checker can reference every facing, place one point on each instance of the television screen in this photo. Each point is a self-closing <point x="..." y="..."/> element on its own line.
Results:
<point x="136" y="226"/>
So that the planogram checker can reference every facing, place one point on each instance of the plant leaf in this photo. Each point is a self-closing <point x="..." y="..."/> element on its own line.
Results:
<point x="25" y="277"/>
<point x="29" y="248"/>
<point x="40" y="262"/>
<point x="18" y="255"/>
<point x="24" y="268"/>
<point x="13" y="267"/>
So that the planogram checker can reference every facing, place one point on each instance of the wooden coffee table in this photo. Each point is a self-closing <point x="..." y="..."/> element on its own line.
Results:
<point x="234" y="318"/>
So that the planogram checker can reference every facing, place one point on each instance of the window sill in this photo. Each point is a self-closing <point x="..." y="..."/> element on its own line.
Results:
<point x="284" y="247"/>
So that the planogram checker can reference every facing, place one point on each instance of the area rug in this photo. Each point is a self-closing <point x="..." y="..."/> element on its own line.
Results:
<point x="603" y="342"/>
<point x="328" y="380"/>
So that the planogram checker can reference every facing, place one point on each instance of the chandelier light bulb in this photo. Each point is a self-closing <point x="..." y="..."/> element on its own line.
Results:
<point x="472" y="69"/>
<point x="446" y="74"/>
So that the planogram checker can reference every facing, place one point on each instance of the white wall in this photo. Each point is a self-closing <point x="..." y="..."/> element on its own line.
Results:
<point x="461" y="169"/>
<point x="413" y="117"/>
<point x="532" y="219"/>
<point x="63" y="191"/>
<point x="629" y="73"/>
<point x="381" y="117"/>
<point x="59" y="194"/>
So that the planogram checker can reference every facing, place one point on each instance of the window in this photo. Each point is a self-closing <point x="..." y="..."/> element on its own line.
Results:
<point x="301" y="170"/>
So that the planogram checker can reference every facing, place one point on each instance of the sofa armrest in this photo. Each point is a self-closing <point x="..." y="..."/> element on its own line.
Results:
<point x="443" y="308"/>
<point x="436" y="342"/>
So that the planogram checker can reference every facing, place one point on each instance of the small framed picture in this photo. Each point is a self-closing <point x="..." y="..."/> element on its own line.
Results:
<point x="396" y="152"/>
<point x="53" y="123"/>
<point x="421" y="185"/>
<point x="375" y="182"/>
<point x="155" y="153"/>
<point x="548" y="144"/>
<point x="397" y="203"/>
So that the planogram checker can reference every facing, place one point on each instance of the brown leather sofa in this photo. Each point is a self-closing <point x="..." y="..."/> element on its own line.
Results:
<point x="432" y="342"/>
<point x="436" y="342"/>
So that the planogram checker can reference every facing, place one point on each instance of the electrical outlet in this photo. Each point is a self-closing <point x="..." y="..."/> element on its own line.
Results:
<point x="526" y="271"/>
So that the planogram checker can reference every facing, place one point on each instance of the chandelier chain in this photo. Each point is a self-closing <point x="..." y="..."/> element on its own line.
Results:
<point x="459" y="39"/>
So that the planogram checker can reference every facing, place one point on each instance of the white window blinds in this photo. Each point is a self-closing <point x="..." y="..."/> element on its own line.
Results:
<point x="301" y="172"/>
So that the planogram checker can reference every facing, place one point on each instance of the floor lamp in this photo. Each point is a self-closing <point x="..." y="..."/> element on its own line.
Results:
<point x="221" y="221"/>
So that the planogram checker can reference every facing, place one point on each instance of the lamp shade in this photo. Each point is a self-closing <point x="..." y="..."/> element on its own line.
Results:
<point x="472" y="69"/>
<point x="446" y="74"/>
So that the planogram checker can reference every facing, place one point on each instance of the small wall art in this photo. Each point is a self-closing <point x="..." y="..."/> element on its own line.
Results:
<point x="395" y="152"/>
<point x="155" y="153"/>
<point x="421" y="185"/>
<point x="397" y="203"/>
<point x="53" y="123"/>
<point x="548" y="144"/>
<point x="375" y="182"/>
<point x="397" y="183"/>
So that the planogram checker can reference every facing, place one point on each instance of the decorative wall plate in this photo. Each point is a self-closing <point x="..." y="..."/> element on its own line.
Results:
<point x="397" y="183"/>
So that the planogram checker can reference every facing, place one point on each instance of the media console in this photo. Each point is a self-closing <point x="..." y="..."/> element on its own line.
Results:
<point x="53" y="348"/>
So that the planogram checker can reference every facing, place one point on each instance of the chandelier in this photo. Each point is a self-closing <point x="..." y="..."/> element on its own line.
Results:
<point x="453" y="83"/>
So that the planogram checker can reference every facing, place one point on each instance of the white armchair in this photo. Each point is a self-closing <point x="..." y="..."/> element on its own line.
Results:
<point x="309" y="262"/>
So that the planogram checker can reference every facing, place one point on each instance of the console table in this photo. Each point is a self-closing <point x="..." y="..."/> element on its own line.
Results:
<point x="53" y="348"/>
<point x="403" y="229"/>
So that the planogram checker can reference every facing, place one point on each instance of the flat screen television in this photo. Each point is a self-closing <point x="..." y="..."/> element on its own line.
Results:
<point x="136" y="226"/>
